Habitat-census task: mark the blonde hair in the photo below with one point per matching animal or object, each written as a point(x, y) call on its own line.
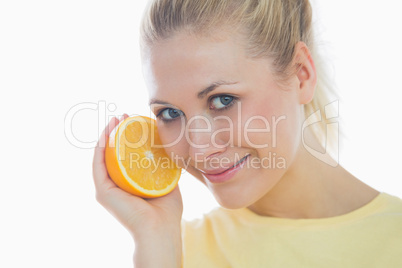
point(272, 29)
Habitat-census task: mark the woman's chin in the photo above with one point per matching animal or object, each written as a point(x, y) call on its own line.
point(232, 206)
point(232, 203)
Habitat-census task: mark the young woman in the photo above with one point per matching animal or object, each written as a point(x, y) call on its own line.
point(241, 79)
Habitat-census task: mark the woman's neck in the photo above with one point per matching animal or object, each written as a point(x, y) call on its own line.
point(313, 189)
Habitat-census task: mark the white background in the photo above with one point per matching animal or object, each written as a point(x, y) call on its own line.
point(57, 54)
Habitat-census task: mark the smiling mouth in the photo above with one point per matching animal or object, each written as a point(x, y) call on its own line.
point(238, 163)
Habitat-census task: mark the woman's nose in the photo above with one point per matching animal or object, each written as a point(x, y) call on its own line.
point(201, 135)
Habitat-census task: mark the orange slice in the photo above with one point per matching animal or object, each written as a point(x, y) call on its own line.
point(137, 161)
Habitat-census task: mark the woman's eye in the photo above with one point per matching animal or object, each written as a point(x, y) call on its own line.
point(221, 102)
point(169, 114)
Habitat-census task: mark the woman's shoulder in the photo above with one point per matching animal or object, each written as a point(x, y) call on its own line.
point(390, 204)
point(214, 215)
point(204, 238)
point(217, 221)
point(385, 206)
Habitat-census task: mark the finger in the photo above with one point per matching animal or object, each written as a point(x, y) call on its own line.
point(100, 175)
point(120, 203)
point(172, 199)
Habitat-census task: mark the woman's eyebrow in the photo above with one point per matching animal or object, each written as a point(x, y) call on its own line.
point(200, 94)
point(213, 86)
point(155, 101)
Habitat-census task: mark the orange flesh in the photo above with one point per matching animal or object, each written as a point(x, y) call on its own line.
point(135, 165)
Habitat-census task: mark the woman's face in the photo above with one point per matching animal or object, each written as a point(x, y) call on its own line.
point(215, 106)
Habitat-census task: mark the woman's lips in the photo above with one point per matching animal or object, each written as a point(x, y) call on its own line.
point(226, 174)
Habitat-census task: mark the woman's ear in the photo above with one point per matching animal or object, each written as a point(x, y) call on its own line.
point(306, 73)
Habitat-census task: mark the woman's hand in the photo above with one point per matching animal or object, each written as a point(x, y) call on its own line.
point(152, 222)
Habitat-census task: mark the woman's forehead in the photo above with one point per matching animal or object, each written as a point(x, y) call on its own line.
point(192, 60)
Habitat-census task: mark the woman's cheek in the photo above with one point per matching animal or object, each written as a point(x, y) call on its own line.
point(255, 124)
point(173, 141)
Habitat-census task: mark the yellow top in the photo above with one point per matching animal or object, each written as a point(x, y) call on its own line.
point(370, 236)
